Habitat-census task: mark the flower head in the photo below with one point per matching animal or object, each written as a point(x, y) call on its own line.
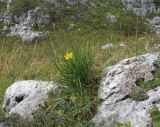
point(60, 113)
point(73, 98)
point(68, 56)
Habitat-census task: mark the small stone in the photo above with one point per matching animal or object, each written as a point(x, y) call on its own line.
point(108, 46)
point(111, 18)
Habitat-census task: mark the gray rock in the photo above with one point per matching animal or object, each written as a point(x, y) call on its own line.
point(83, 3)
point(108, 46)
point(6, 30)
point(26, 22)
point(155, 21)
point(30, 36)
point(139, 11)
point(140, 7)
point(25, 97)
point(156, 46)
point(155, 24)
point(122, 45)
point(25, 32)
point(37, 18)
point(116, 86)
point(129, 110)
point(121, 77)
point(81, 16)
point(111, 18)
point(3, 125)
point(72, 3)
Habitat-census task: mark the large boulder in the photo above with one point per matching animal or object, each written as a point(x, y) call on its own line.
point(25, 32)
point(118, 82)
point(25, 97)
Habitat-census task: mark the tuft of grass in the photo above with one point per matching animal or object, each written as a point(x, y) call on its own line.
point(76, 72)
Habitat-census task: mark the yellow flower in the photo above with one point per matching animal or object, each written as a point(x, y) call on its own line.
point(73, 98)
point(68, 56)
point(60, 113)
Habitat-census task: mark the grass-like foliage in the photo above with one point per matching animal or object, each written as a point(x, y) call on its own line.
point(133, 25)
point(128, 124)
point(66, 111)
point(22, 6)
point(3, 6)
point(157, 3)
point(75, 69)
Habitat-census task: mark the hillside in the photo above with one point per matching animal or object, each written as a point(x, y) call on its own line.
point(78, 44)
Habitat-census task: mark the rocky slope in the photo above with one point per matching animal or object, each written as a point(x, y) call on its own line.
point(23, 24)
point(118, 82)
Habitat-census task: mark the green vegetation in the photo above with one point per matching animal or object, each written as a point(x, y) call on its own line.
point(157, 3)
point(77, 102)
point(38, 61)
point(138, 94)
point(128, 124)
point(3, 6)
point(19, 7)
point(76, 69)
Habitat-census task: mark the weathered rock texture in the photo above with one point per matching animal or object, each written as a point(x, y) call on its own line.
point(25, 97)
point(140, 7)
point(23, 26)
point(116, 86)
point(155, 22)
point(25, 32)
point(111, 18)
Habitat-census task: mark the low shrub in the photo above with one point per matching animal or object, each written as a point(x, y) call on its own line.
point(138, 94)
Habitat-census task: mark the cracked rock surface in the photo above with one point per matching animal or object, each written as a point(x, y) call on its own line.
point(116, 86)
point(25, 97)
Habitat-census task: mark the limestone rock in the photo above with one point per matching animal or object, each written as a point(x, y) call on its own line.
point(108, 46)
point(155, 23)
point(3, 125)
point(115, 87)
point(156, 46)
point(111, 18)
point(140, 7)
point(25, 97)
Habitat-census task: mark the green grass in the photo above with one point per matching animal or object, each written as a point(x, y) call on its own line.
point(37, 60)
point(3, 7)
